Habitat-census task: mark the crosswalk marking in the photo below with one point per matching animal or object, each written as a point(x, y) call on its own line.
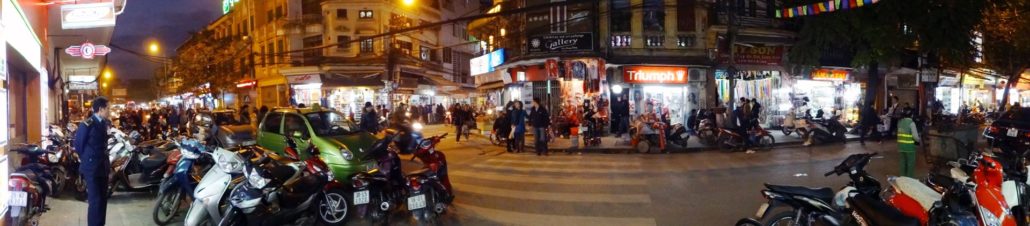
point(608, 170)
point(544, 179)
point(554, 196)
point(520, 218)
point(567, 162)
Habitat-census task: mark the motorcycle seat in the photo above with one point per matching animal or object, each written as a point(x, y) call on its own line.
point(421, 172)
point(153, 161)
point(923, 194)
point(29, 149)
point(876, 212)
point(823, 194)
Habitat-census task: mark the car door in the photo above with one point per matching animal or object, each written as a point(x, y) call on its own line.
point(270, 135)
point(296, 128)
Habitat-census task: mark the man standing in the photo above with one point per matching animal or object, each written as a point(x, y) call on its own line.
point(908, 137)
point(541, 119)
point(91, 144)
point(620, 113)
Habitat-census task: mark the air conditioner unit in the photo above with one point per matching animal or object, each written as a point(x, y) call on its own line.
point(697, 75)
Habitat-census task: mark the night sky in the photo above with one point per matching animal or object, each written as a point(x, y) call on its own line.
point(169, 22)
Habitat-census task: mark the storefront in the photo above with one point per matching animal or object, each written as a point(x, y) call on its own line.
point(758, 74)
point(244, 94)
point(673, 90)
point(976, 93)
point(822, 89)
point(561, 83)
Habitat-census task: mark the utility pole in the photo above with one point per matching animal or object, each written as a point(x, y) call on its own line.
point(731, 37)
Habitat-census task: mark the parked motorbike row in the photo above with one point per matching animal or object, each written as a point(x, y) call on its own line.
point(46, 169)
point(975, 190)
point(814, 129)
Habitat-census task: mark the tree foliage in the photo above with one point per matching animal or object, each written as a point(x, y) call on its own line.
point(207, 59)
point(1006, 37)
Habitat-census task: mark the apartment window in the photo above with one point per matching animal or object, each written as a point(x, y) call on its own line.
point(425, 53)
point(405, 47)
point(685, 16)
point(621, 15)
point(343, 42)
point(654, 40)
point(365, 14)
point(311, 42)
point(447, 55)
point(654, 15)
point(685, 41)
point(280, 50)
point(271, 15)
point(341, 13)
point(367, 45)
point(270, 54)
point(621, 40)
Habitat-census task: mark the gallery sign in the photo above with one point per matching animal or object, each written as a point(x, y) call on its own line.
point(759, 55)
point(557, 43)
point(655, 74)
point(91, 15)
point(87, 50)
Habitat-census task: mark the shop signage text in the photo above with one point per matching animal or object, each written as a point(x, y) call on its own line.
point(830, 75)
point(227, 5)
point(87, 50)
point(761, 55)
point(655, 74)
point(82, 86)
point(246, 83)
point(92, 15)
point(486, 63)
point(302, 79)
point(556, 43)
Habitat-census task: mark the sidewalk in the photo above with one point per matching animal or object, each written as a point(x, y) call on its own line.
point(612, 144)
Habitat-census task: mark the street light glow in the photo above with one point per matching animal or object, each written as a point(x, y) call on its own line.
point(107, 74)
point(153, 47)
point(105, 85)
point(408, 2)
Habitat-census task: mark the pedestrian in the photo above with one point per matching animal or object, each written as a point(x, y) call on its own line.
point(502, 128)
point(91, 145)
point(369, 119)
point(261, 113)
point(908, 139)
point(541, 119)
point(623, 111)
point(756, 110)
point(508, 110)
point(245, 114)
point(518, 122)
point(867, 124)
point(458, 119)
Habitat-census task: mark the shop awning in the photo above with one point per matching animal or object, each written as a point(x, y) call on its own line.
point(490, 86)
point(351, 79)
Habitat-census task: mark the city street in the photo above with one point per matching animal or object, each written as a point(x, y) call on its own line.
point(498, 188)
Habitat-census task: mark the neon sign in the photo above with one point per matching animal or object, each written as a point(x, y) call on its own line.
point(87, 50)
point(228, 4)
point(655, 74)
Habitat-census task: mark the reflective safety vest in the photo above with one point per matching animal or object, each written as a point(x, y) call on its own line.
point(905, 131)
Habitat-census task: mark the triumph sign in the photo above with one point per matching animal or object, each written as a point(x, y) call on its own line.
point(655, 74)
point(558, 43)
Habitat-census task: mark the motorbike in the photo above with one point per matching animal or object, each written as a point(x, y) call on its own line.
point(677, 134)
point(67, 160)
point(791, 124)
point(706, 132)
point(29, 186)
point(277, 191)
point(855, 202)
point(592, 134)
point(144, 166)
point(177, 187)
point(758, 137)
point(332, 205)
point(824, 131)
point(380, 190)
point(209, 197)
point(647, 136)
point(429, 189)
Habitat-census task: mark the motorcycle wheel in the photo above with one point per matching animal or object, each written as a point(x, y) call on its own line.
point(20, 220)
point(167, 206)
point(60, 181)
point(766, 141)
point(233, 217)
point(784, 217)
point(723, 145)
point(707, 137)
point(643, 147)
point(80, 188)
point(786, 131)
point(333, 208)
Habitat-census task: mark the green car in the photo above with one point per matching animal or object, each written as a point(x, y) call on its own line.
point(341, 144)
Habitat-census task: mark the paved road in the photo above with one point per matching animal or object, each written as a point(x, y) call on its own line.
point(498, 188)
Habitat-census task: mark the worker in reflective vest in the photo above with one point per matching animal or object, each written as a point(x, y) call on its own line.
point(908, 135)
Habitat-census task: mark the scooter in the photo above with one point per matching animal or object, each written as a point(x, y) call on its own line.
point(29, 186)
point(855, 202)
point(276, 192)
point(592, 134)
point(791, 125)
point(379, 190)
point(208, 197)
point(758, 137)
point(141, 168)
point(333, 208)
point(648, 136)
point(178, 184)
point(678, 135)
point(429, 189)
point(824, 131)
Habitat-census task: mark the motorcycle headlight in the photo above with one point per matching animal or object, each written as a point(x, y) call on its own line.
point(229, 162)
point(187, 154)
point(346, 154)
point(424, 144)
point(255, 179)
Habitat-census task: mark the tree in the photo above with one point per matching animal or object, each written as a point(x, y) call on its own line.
point(207, 59)
point(1006, 40)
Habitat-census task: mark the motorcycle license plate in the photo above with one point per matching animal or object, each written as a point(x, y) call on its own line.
point(19, 198)
point(416, 202)
point(1013, 132)
point(761, 210)
point(361, 197)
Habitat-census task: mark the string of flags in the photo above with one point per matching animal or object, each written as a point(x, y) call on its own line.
point(822, 7)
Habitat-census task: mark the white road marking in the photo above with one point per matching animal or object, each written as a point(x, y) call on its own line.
point(519, 218)
point(610, 170)
point(567, 162)
point(553, 196)
point(542, 179)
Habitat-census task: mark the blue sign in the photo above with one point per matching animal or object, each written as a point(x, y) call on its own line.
point(486, 63)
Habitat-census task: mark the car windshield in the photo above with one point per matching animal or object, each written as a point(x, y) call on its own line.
point(328, 123)
point(225, 118)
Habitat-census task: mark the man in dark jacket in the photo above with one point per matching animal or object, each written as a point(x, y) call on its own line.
point(458, 119)
point(369, 119)
point(867, 123)
point(620, 112)
point(541, 119)
point(91, 145)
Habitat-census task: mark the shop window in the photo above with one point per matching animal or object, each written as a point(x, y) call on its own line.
point(654, 15)
point(343, 43)
point(365, 14)
point(685, 15)
point(341, 13)
point(621, 15)
point(272, 123)
point(621, 40)
point(685, 41)
point(405, 47)
point(367, 44)
point(654, 40)
point(312, 42)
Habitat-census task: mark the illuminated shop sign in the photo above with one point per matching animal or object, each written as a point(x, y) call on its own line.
point(87, 50)
point(486, 63)
point(830, 75)
point(246, 83)
point(227, 5)
point(655, 74)
point(92, 15)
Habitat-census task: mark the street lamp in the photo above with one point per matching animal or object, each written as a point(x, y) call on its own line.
point(408, 2)
point(107, 74)
point(104, 85)
point(153, 48)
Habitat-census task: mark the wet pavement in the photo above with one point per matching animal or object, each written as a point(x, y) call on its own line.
point(494, 187)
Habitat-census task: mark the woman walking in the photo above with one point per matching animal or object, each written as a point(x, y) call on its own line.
point(518, 121)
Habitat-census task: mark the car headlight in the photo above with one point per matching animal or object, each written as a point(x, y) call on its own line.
point(255, 179)
point(417, 126)
point(347, 155)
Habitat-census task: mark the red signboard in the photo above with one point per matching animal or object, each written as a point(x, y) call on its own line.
point(246, 83)
point(87, 50)
point(655, 74)
point(763, 55)
point(830, 75)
